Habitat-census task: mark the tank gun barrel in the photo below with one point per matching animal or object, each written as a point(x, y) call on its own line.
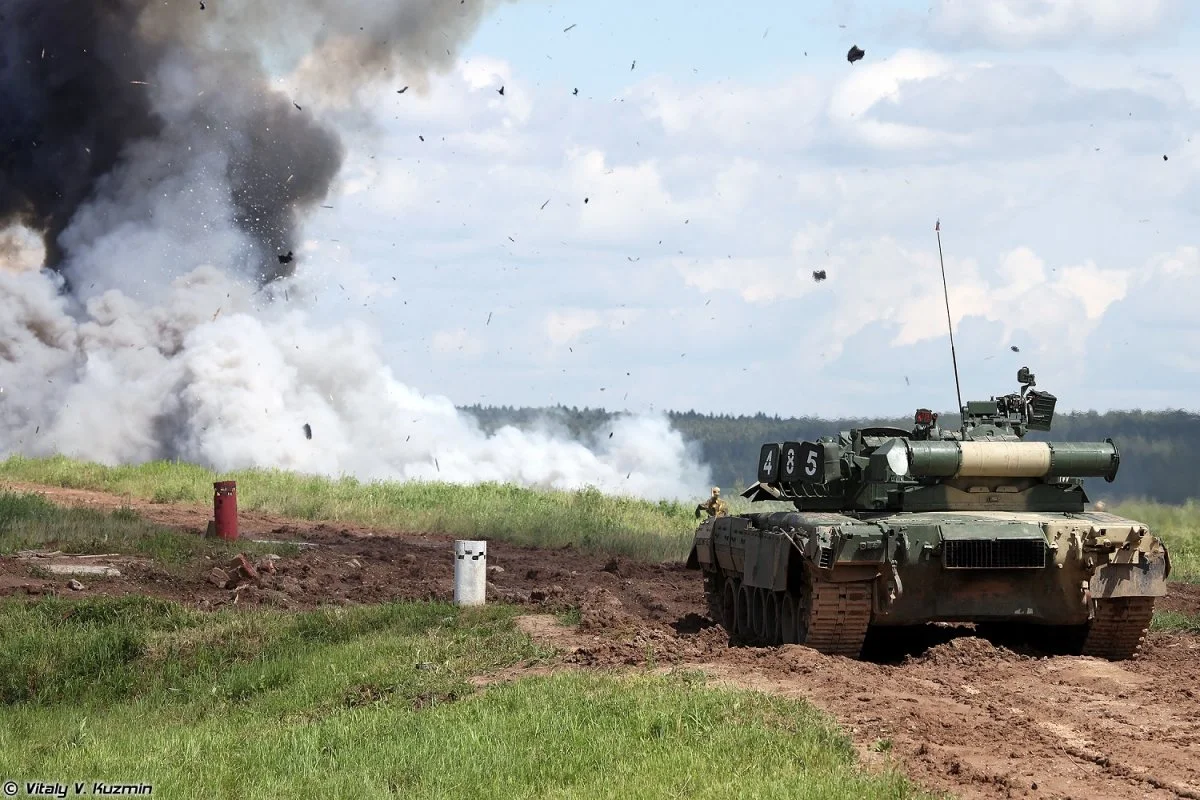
point(968, 459)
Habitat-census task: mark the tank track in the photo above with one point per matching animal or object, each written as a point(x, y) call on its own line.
point(841, 614)
point(713, 586)
point(1118, 627)
point(831, 618)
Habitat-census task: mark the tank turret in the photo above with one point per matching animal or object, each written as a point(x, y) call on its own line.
point(984, 464)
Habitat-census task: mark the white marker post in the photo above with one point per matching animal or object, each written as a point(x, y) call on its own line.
point(470, 573)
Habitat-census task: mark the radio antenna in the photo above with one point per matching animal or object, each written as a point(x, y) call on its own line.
point(937, 228)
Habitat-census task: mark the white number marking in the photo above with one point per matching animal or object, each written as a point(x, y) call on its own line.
point(811, 465)
point(767, 464)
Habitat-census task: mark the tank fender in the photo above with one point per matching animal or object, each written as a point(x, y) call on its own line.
point(824, 550)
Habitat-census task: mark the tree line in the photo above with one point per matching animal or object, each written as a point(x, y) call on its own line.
point(1159, 454)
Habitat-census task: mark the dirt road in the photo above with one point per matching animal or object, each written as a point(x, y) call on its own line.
point(954, 711)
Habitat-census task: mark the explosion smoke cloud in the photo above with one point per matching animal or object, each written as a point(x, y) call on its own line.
point(165, 174)
point(120, 99)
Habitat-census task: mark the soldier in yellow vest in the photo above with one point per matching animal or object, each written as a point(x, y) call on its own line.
point(716, 507)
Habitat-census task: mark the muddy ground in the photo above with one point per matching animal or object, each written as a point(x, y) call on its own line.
point(954, 711)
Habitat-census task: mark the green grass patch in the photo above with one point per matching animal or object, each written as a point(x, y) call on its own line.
point(375, 702)
point(30, 522)
point(1178, 526)
point(1175, 622)
point(101, 651)
point(593, 521)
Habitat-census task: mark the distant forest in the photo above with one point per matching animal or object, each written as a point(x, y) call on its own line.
point(1160, 450)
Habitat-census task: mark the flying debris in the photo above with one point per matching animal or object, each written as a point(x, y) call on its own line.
point(297, 105)
point(576, 91)
point(855, 54)
point(634, 64)
point(1164, 157)
point(1015, 349)
point(500, 91)
point(287, 259)
point(818, 275)
point(402, 91)
point(572, 25)
point(307, 431)
point(543, 208)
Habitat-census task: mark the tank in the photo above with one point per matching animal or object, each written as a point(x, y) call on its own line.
point(896, 528)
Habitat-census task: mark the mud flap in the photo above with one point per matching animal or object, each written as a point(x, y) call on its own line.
point(1147, 579)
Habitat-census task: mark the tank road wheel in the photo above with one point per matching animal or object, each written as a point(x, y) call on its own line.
point(771, 617)
point(1118, 627)
point(742, 627)
point(728, 617)
point(757, 598)
point(803, 612)
point(789, 633)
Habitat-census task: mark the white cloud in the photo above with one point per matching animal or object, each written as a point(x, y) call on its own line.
point(733, 114)
point(880, 83)
point(1027, 23)
point(881, 280)
point(618, 198)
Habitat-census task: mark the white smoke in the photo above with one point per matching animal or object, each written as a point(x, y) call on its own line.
point(216, 376)
point(163, 346)
point(20, 249)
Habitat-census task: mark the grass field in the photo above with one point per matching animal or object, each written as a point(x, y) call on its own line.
point(30, 522)
point(591, 520)
point(1174, 621)
point(654, 531)
point(376, 702)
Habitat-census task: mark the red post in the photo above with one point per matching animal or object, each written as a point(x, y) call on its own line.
point(225, 509)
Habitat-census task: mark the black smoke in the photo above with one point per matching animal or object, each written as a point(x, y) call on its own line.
point(68, 106)
point(105, 103)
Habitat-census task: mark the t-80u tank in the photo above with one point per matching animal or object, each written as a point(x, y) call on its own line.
point(895, 528)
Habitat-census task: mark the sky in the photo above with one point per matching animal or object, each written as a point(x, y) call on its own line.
point(649, 243)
